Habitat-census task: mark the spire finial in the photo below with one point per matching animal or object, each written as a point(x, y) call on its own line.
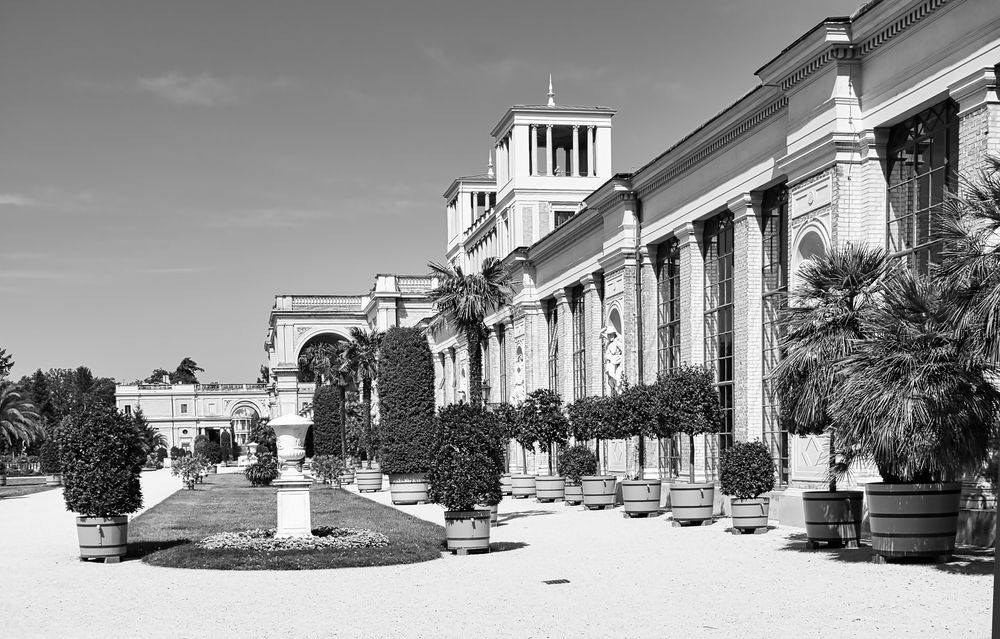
point(489, 163)
point(552, 96)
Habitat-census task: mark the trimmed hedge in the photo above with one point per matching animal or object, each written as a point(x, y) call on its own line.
point(326, 421)
point(101, 452)
point(746, 470)
point(48, 457)
point(406, 400)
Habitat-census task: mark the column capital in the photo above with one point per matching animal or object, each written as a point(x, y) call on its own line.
point(549, 126)
point(560, 296)
point(745, 205)
point(590, 281)
point(975, 90)
point(576, 127)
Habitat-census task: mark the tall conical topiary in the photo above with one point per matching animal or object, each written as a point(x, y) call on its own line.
point(326, 421)
point(406, 400)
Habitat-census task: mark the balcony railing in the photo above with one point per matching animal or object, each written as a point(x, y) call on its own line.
point(344, 302)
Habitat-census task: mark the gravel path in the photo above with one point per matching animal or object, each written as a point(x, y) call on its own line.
point(628, 578)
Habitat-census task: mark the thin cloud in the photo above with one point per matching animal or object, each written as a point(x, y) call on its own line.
point(189, 90)
point(273, 218)
point(171, 270)
point(16, 201)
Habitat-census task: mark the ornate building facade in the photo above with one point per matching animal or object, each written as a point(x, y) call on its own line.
point(855, 132)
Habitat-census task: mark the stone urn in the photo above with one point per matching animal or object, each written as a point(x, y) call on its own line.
point(290, 431)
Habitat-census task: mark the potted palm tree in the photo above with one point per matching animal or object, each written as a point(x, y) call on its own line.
point(574, 462)
point(542, 422)
point(464, 300)
point(101, 453)
point(466, 462)
point(689, 404)
point(916, 397)
point(361, 355)
point(599, 490)
point(746, 471)
point(639, 416)
point(406, 410)
point(820, 327)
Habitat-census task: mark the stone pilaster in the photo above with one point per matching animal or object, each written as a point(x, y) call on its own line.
point(593, 322)
point(692, 303)
point(647, 309)
point(535, 348)
point(747, 290)
point(564, 329)
point(978, 119)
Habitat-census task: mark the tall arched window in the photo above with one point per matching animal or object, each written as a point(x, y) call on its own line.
point(922, 158)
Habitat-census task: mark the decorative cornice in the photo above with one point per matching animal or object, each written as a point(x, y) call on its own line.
point(714, 145)
point(860, 50)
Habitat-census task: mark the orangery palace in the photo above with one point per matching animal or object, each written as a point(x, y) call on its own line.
point(854, 132)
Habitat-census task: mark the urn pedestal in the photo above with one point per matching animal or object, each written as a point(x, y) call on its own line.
point(294, 517)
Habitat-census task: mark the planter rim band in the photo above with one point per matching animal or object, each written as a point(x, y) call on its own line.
point(912, 515)
point(853, 495)
point(919, 535)
point(691, 486)
point(908, 493)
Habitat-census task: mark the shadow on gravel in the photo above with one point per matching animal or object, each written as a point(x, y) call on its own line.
point(759, 531)
point(797, 542)
point(525, 513)
point(969, 560)
point(504, 546)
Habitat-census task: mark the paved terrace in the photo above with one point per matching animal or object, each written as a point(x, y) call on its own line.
point(634, 578)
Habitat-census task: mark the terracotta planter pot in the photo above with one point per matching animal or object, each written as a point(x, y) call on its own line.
point(506, 487)
point(750, 514)
point(549, 489)
point(913, 520)
point(834, 518)
point(692, 503)
point(408, 488)
point(102, 537)
point(467, 530)
point(369, 480)
point(641, 497)
point(522, 486)
point(573, 494)
point(598, 490)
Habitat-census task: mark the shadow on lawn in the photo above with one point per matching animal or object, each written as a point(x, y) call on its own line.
point(967, 560)
point(139, 549)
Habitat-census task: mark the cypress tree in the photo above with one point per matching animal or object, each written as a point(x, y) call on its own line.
point(326, 421)
point(406, 400)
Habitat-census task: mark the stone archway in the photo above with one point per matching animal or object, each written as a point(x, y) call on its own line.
point(332, 338)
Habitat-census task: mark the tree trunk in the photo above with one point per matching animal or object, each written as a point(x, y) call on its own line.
point(343, 426)
point(691, 457)
point(552, 454)
point(475, 366)
point(642, 457)
point(366, 397)
point(597, 453)
point(831, 461)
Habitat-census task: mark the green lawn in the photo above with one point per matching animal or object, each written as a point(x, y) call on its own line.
point(20, 491)
point(163, 535)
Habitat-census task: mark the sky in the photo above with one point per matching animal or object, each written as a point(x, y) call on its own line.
point(167, 168)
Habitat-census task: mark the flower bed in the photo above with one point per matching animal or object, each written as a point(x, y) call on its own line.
point(259, 539)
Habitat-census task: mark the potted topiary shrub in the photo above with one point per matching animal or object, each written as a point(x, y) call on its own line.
point(466, 463)
point(406, 410)
point(506, 416)
point(638, 415)
point(101, 453)
point(689, 404)
point(746, 472)
point(575, 462)
point(264, 470)
point(602, 423)
point(542, 421)
point(917, 397)
point(188, 468)
point(48, 458)
point(326, 468)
